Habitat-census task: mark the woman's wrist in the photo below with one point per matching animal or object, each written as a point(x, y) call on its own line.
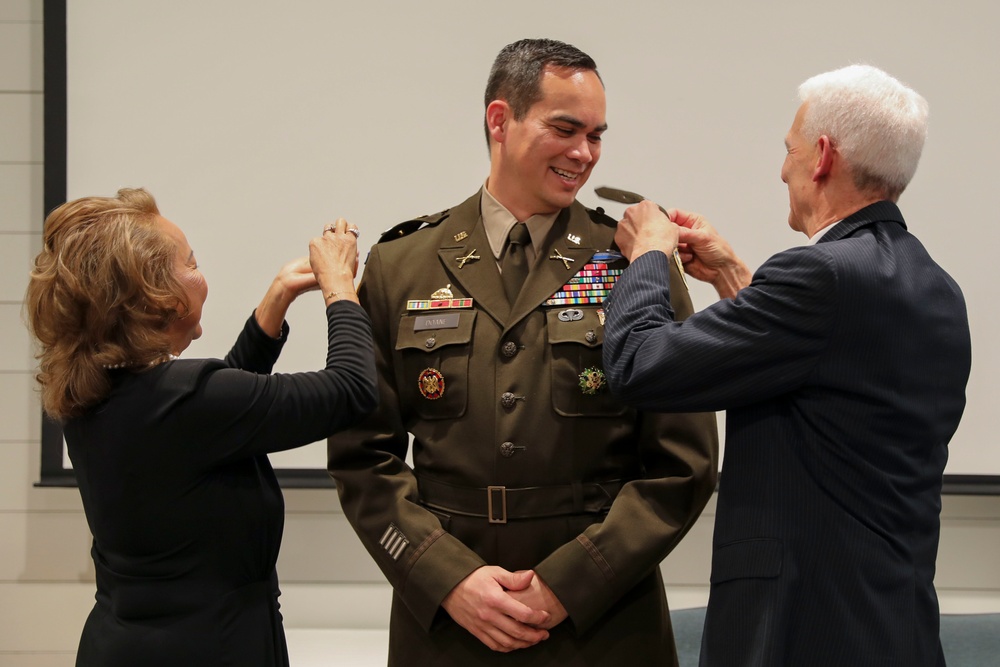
point(270, 314)
point(340, 292)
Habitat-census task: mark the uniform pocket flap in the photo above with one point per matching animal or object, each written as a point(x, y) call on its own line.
point(578, 325)
point(747, 559)
point(415, 333)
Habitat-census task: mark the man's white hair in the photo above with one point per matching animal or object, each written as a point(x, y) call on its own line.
point(876, 123)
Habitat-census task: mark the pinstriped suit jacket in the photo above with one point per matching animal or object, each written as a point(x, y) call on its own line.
point(843, 368)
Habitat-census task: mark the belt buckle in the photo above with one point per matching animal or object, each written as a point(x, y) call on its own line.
point(499, 492)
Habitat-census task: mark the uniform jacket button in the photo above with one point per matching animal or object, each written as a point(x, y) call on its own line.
point(508, 400)
point(430, 342)
point(509, 349)
point(591, 337)
point(507, 450)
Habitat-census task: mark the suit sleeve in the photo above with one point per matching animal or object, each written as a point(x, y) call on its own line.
point(763, 343)
point(378, 490)
point(648, 518)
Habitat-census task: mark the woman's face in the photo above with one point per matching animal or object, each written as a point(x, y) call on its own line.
point(187, 328)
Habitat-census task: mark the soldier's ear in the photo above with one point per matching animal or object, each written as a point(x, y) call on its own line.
point(498, 113)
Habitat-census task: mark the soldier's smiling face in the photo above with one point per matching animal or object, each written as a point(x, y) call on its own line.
point(547, 156)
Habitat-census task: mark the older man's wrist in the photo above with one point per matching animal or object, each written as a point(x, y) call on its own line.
point(731, 279)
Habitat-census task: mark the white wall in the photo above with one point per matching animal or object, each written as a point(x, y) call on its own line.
point(229, 111)
point(46, 575)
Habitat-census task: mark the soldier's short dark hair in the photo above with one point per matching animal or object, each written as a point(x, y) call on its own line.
point(516, 75)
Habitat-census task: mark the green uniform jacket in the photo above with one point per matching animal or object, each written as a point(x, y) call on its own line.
point(595, 493)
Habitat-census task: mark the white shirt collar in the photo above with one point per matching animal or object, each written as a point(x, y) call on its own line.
point(821, 233)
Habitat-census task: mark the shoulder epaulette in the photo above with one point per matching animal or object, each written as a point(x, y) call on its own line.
point(410, 226)
point(600, 217)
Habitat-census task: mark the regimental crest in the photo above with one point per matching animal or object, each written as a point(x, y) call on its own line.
point(430, 382)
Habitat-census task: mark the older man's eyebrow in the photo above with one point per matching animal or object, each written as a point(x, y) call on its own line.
point(577, 123)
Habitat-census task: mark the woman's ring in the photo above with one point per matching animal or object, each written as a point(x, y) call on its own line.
point(355, 231)
point(328, 228)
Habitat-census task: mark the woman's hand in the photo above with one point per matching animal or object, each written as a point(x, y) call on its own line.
point(330, 267)
point(293, 279)
point(334, 260)
point(296, 278)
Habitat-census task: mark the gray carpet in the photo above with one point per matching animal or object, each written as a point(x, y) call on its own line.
point(969, 640)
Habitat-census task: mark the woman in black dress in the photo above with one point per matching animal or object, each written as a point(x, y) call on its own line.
point(171, 455)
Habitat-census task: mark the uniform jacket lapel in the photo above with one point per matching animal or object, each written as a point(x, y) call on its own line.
point(478, 278)
point(549, 273)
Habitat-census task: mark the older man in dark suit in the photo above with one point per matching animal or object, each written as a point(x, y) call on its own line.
point(843, 366)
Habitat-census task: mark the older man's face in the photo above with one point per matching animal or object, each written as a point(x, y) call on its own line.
point(547, 156)
point(797, 172)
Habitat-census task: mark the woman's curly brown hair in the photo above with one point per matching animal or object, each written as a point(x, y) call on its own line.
point(102, 293)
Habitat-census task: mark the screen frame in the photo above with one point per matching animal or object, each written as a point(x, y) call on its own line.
point(53, 470)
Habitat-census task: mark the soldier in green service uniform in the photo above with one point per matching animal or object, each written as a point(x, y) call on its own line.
point(530, 528)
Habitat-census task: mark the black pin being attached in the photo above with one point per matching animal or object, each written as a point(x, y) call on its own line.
point(626, 197)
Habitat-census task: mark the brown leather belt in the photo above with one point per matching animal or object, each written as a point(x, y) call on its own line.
point(499, 504)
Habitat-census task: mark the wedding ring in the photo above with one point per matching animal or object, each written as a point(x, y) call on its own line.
point(356, 232)
point(328, 228)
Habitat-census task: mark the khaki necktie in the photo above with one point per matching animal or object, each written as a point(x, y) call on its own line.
point(515, 261)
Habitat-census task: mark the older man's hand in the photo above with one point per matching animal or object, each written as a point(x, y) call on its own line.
point(707, 256)
point(644, 228)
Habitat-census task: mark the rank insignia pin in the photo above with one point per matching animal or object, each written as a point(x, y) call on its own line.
point(462, 236)
point(558, 255)
point(430, 382)
point(592, 380)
